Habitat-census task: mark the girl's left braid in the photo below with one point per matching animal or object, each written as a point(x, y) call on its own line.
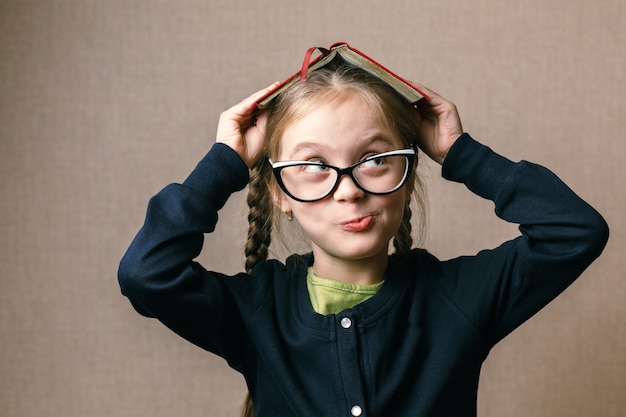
point(403, 241)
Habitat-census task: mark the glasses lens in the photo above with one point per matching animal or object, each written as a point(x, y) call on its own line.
point(382, 174)
point(308, 181)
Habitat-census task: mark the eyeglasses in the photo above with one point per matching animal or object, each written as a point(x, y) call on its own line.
point(309, 181)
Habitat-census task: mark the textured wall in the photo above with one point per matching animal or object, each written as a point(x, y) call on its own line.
point(104, 102)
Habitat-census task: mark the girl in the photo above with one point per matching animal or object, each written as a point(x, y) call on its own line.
point(349, 330)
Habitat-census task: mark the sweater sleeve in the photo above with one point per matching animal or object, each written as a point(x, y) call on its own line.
point(158, 273)
point(561, 236)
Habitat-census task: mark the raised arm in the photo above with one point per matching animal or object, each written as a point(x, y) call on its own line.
point(561, 234)
point(158, 273)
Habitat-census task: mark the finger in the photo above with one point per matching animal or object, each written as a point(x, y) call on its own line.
point(247, 105)
point(242, 111)
point(424, 106)
point(241, 116)
point(261, 120)
point(256, 128)
point(429, 91)
point(435, 100)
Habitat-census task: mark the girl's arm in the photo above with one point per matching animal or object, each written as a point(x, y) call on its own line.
point(158, 273)
point(561, 235)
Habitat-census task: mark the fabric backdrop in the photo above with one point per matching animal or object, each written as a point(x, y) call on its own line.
point(104, 102)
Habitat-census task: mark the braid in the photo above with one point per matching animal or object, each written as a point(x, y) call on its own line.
point(259, 218)
point(259, 234)
point(403, 241)
point(247, 409)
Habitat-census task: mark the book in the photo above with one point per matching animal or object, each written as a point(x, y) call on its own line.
point(337, 52)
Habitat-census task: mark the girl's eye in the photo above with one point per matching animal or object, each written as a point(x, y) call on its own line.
point(373, 163)
point(316, 169)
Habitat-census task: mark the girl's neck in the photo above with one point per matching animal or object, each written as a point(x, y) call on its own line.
point(351, 271)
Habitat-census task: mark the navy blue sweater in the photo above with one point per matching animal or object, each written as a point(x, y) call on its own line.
point(413, 349)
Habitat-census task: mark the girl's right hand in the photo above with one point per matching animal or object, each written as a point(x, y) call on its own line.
point(438, 123)
point(243, 129)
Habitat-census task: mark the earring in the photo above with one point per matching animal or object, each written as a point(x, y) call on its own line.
point(289, 215)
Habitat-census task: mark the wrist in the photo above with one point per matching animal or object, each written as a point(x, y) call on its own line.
point(221, 165)
point(449, 143)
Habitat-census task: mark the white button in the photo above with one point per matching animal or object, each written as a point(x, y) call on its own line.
point(356, 411)
point(346, 323)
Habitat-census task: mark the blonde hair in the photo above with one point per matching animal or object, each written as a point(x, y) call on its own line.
point(322, 87)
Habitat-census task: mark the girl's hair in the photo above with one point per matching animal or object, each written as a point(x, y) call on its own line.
point(321, 87)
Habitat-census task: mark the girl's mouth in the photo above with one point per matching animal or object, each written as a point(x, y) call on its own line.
point(358, 225)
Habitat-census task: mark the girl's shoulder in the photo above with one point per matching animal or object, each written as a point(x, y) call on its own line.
point(269, 273)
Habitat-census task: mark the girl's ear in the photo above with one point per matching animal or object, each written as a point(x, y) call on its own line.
point(278, 197)
point(283, 204)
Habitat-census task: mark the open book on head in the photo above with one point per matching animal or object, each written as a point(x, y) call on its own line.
point(341, 51)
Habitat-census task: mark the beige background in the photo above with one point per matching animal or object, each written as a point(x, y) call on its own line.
point(104, 102)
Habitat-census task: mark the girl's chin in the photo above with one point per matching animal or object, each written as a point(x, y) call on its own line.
point(351, 252)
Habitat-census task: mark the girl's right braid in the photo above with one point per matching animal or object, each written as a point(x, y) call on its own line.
point(259, 218)
point(259, 236)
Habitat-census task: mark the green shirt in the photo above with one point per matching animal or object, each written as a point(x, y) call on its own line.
point(331, 297)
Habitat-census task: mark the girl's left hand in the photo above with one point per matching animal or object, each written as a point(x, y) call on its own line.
point(438, 123)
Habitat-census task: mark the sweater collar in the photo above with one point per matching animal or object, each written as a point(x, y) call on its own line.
point(396, 281)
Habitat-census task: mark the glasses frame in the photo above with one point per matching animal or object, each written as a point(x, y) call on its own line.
point(410, 155)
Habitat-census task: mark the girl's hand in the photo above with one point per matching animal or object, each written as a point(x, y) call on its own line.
point(243, 129)
point(438, 123)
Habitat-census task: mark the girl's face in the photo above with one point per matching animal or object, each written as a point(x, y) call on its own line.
point(349, 225)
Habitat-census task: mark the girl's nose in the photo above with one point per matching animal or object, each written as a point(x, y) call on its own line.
point(347, 190)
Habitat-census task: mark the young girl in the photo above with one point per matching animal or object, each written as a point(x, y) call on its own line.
point(349, 330)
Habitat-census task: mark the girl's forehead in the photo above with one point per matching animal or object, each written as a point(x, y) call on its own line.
point(348, 125)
